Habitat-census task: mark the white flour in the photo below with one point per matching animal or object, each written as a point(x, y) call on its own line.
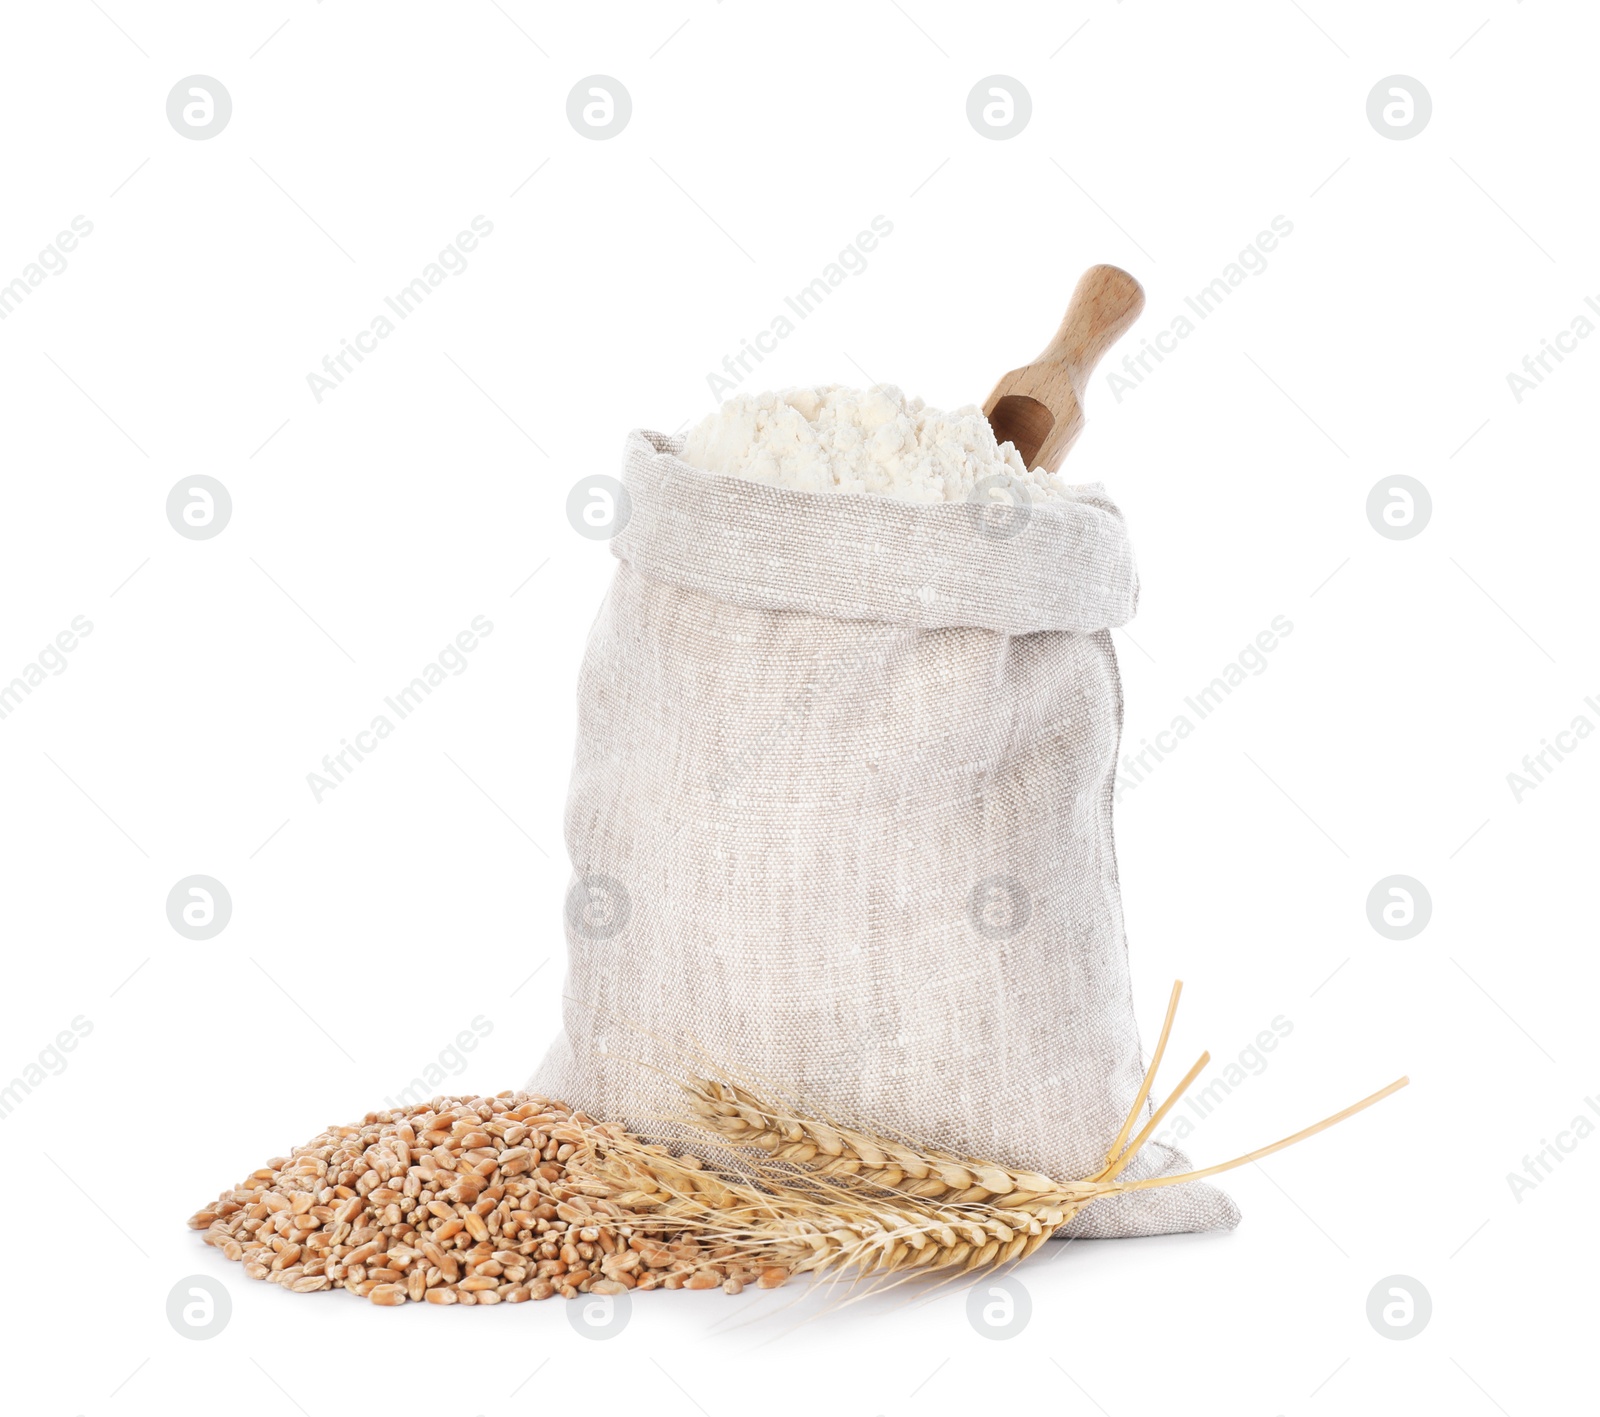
point(835, 439)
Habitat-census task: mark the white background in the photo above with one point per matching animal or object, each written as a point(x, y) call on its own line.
point(370, 528)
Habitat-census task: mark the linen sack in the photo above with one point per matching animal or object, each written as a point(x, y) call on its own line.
point(840, 820)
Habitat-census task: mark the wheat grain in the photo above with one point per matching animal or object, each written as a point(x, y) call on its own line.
point(466, 1200)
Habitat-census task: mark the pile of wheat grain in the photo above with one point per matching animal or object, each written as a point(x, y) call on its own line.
point(468, 1200)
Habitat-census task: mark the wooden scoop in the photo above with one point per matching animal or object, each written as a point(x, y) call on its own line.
point(1039, 406)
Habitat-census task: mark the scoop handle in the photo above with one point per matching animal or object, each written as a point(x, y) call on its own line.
point(1038, 408)
point(1105, 303)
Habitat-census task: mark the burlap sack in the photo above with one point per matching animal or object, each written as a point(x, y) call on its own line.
point(840, 816)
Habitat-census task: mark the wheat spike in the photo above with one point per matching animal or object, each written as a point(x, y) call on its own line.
point(854, 1157)
point(810, 1221)
point(926, 1186)
point(747, 1119)
point(832, 1199)
point(810, 1226)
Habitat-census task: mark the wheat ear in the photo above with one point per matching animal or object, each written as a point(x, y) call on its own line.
point(805, 1220)
point(811, 1227)
point(854, 1158)
point(744, 1118)
point(747, 1119)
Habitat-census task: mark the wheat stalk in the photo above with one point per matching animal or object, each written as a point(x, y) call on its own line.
point(927, 1188)
point(808, 1220)
point(750, 1120)
point(807, 1225)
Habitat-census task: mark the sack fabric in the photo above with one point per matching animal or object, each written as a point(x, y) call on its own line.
point(840, 820)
